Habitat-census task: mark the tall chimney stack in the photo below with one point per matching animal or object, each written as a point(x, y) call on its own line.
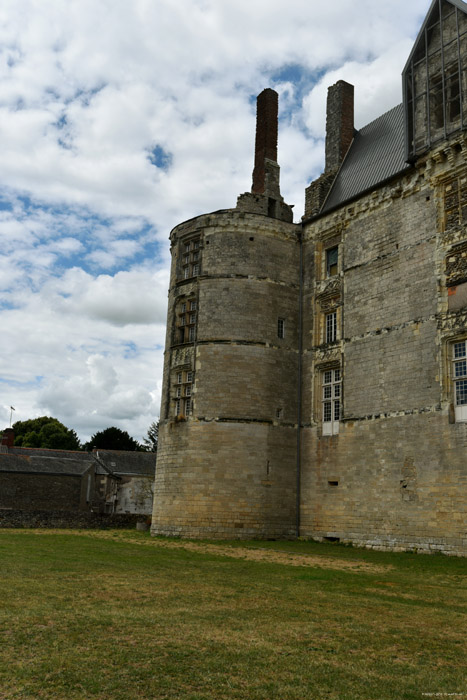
point(265, 197)
point(8, 437)
point(339, 124)
point(267, 110)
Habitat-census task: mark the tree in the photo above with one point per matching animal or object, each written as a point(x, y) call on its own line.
point(45, 432)
point(113, 439)
point(150, 442)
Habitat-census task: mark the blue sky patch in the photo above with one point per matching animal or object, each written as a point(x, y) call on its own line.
point(160, 158)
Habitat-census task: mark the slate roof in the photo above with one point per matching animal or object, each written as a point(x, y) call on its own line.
point(128, 463)
point(42, 461)
point(376, 154)
point(32, 464)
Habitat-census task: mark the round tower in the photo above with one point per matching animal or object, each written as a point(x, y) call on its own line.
point(226, 464)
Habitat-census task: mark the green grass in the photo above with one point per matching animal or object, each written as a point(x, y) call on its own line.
point(121, 616)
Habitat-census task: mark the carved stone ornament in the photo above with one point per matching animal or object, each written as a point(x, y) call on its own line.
point(182, 357)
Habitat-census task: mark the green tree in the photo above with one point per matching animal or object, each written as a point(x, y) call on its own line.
point(45, 432)
point(152, 438)
point(113, 439)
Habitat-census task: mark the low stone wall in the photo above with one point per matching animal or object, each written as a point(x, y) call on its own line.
point(63, 519)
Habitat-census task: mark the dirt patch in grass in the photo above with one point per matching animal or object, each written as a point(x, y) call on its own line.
point(238, 552)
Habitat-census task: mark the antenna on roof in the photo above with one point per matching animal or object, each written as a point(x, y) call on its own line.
point(11, 413)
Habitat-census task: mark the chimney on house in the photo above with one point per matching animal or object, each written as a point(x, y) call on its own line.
point(267, 110)
point(8, 437)
point(339, 124)
point(339, 136)
point(265, 196)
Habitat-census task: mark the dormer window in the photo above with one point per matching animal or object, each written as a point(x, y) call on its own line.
point(433, 75)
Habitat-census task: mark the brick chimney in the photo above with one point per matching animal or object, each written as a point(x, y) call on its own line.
point(8, 437)
point(339, 124)
point(267, 110)
point(339, 136)
point(265, 196)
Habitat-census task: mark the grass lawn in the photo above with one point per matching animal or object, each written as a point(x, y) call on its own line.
point(120, 616)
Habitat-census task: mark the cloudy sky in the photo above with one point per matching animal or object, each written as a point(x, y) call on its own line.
point(120, 119)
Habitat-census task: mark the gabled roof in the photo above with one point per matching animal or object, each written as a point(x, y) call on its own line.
point(376, 154)
point(32, 464)
point(428, 20)
point(128, 463)
point(72, 462)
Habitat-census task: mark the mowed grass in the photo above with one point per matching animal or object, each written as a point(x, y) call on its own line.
point(121, 616)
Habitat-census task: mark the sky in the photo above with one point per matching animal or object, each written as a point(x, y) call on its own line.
point(119, 120)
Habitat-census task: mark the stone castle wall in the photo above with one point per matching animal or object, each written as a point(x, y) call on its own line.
point(228, 469)
point(395, 476)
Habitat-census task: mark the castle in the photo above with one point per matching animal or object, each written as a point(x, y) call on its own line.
point(315, 377)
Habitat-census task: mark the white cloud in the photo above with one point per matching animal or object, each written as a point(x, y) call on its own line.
point(88, 89)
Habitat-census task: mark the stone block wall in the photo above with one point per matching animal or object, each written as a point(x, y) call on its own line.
point(395, 476)
point(228, 469)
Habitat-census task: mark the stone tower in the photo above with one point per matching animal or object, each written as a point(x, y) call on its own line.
point(227, 456)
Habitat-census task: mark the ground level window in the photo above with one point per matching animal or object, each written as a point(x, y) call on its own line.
point(331, 400)
point(459, 379)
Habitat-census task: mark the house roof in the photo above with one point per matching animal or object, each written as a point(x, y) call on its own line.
point(43, 461)
point(128, 463)
point(377, 153)
point(39, 464)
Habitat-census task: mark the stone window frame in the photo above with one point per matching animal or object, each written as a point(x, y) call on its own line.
point(331, 397)
point(329, 254)
point(189, 257)
point(332, 240)
point(457, 375)
point(186, 320)
point(330, 327)
point(333, 361)
point(183, 393)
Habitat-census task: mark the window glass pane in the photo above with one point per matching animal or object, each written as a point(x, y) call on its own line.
point(337, 375)
point(331, 327)
point(179, 378)
point(327, 392)
point(188, 405)
point(331, 261)
point(327, 412)
point(460, 368)
point(328, 376)
point(337, 410)
point(461, 392)
point(459, 349)
point(192, 305)
point(337, 390)
point(189, 376)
